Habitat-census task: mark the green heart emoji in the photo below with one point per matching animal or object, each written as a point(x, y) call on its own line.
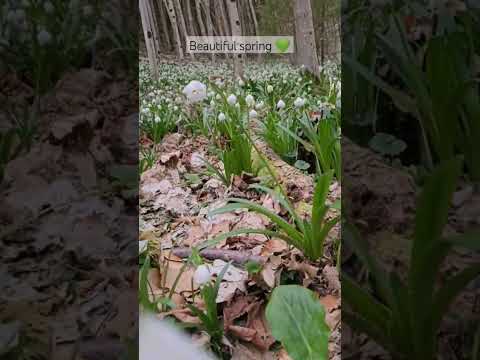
point(282, 45)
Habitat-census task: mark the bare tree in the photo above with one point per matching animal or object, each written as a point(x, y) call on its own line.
point(206, 3)
point(149, 31)
point(164, 22)
point(173, 20)
point(306, 47)
point(201, 24)
point(238, 61)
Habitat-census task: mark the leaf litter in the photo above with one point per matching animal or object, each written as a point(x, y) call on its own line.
point(176, 196)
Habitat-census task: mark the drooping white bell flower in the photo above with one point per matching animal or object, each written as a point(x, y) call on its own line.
point(221, 117)
point(218, 97)
point(202, 275)
point(241, 83)
point(259, 106)
point(299, 102)
point(195, 91)
point(232, 99)
point(269, 89)
point(252, 114)
point(280, 104)
point(250, 100)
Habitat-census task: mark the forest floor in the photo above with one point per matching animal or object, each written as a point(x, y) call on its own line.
point(178, 193)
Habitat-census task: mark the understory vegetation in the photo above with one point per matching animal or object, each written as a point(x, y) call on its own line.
point(245, 135)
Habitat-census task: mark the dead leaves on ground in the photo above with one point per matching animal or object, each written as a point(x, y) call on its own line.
point(176, 197)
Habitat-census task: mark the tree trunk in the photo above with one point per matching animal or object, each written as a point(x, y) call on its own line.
point(165, 28)
point(254, 16)
point(323, 34)
point(191, 24)
point(306, 47)
point(236, 31)
point(148, 32)
point(183, 26)
point(201, 24)
point(226, 23)
point(206, 4)
point(173, 20)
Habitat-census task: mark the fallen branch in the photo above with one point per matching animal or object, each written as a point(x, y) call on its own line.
point(239, 257)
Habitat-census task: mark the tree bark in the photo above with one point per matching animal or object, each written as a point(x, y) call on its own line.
point(148, 32)
point(181, 20)
point(201, 24)
point(173, 20)
point(206, 4)
point(191, 24)
point(238, 61)
point(306, 47)
point(254, 16)
point(165, 28)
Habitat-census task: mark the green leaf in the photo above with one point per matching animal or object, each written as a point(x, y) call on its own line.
point(365, 305)
point(297, 320)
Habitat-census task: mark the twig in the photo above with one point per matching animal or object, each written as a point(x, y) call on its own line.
point(239, 257)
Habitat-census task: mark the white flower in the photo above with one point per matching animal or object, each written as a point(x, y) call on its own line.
point(202, 275)
point(195, 91)
point(218, 97)
point(280, 104)
point(157, 119)
point(175, 108)
point(269, 89)
point(252, 114)
point(221, 117)
point(241, 83)
point(44, 37)
point(237, 105)
point(212, 103)
point(232, 99)
point(49, 8)
point(259, 106)
point(299, 102)
point(250, 100)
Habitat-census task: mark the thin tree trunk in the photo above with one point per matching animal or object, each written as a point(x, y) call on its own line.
point(173, 20)
point(223, 12)
point(306, 47)
point(149, 36)
point(254, 16)
point(239, 60)
point(206, 4)
point(183, 26)
point(155, 25)
point(165, 29)
point(191, 24)
point(322, 36)
point(201, 24)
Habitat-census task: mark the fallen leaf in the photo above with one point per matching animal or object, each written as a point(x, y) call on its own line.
point(185, 281)
point(227, 290)
point(274, 246)
point(243, 333)
point(331, 274)
point(233, 274)
point(249, 352)
point(263, 339)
